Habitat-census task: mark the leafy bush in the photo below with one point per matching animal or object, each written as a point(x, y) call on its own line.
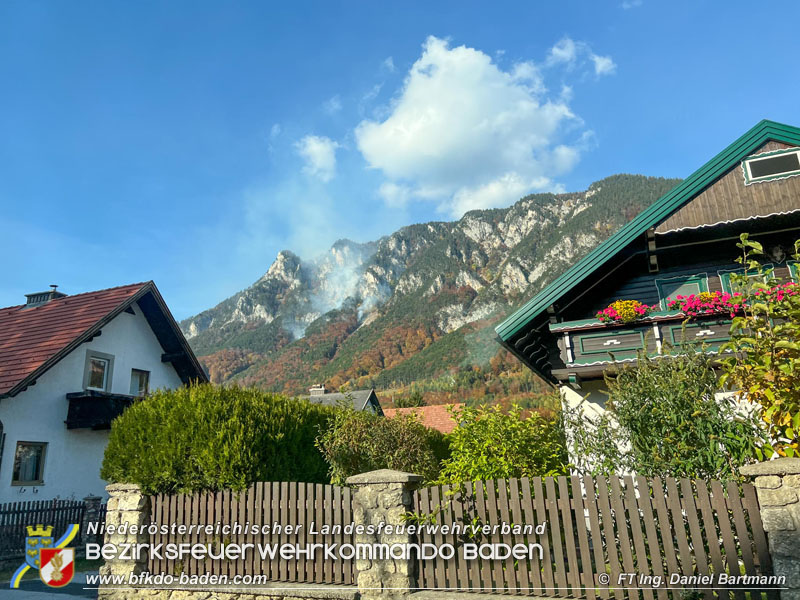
point(765, 339)
point(662, 419)
point(209, 438)
point(357, 442)
point(491, 443)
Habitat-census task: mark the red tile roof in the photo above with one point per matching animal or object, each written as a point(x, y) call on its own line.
point(30, 337)
point(436, 416)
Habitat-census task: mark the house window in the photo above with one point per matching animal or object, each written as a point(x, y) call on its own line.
point(99, 367)
point(685, 285)
point(732, 287)
point(29, 463)
point(140, 382)
point(771, 165)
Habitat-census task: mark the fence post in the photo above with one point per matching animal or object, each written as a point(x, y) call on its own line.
point(91, 513)
point(126, 505)
point(778, 487)
point(384, 496)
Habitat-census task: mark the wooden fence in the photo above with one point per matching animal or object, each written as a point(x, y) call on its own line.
point(593, 526)
point(285, 503)
point(16, 516)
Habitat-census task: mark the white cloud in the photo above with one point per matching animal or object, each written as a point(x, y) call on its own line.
point(388, 65)
point(628, 4)
point(395, 196)
point(572, 54)
point(603, 65)
point(319, 153)
point(467, 134)
point(275, 131)
point(332, 105)
point(564, 51)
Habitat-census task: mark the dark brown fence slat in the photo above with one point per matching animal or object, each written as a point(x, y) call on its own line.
point(573, 576)
point(664, 526)
point(551, 501)
point(525, 569)
point(470, 505)
point(425, 566)
point(734, 502)
point(541, 517)
point(498, 575)
point(440, 579)
point(350, 568)
point(622, 535)
point(695, 531)
point(509, 573)
point(328, 571)
point(590, 502)
point(678, 526)
point(486, 572)
point(609, 535)
point(712, 534)
point(728, 541)
point(585, 559)
point(464, 572)
point(447, 519)
point(641, 566)
point(750, 503)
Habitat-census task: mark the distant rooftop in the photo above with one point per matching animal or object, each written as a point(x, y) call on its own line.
point(360, 399)
point(436, 416)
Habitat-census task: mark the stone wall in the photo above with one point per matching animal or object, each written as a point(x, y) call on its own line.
point(778, 486)
point(384, 496)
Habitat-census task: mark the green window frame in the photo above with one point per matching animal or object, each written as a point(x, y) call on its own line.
point(749, 162)
point(725, 277)
point(670, 287)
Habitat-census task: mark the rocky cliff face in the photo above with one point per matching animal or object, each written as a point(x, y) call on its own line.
point(436, 276)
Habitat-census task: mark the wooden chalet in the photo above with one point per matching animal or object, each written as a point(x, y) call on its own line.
point(684, 243)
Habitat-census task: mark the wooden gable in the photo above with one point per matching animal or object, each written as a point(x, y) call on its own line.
point(729, 199)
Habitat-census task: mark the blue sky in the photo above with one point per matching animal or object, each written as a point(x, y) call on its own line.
point(189, 142)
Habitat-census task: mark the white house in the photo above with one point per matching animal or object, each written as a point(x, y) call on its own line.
point(68, 366)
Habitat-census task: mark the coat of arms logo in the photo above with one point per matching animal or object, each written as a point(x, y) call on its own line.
point(38, 537)
point(58, 566)
point(54, 561)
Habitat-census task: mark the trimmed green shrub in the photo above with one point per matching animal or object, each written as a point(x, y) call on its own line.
point(357, 442)
point(211, 438)
point(491, 443)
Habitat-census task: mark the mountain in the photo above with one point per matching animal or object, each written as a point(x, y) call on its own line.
point(417, 307)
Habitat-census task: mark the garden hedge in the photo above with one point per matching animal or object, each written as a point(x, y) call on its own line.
point(205, 437)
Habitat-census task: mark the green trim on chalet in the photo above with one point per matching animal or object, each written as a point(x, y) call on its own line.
point(668, 287)
point(725, 276)
point(749, 179)
point(670, 202)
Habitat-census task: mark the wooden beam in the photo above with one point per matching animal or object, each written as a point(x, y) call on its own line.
point(172, 356)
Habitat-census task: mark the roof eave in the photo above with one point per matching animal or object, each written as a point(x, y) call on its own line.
point(148, 287)
point(86, 335)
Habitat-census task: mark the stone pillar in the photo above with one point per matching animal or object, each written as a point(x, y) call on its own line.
point(384, 496)
point(91, 513)
point(126, 505)
point(778, 486)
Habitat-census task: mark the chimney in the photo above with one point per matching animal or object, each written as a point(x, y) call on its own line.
point(39, 298)
point(317, 390)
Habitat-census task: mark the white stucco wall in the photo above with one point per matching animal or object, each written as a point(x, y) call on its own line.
point(73, 457)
